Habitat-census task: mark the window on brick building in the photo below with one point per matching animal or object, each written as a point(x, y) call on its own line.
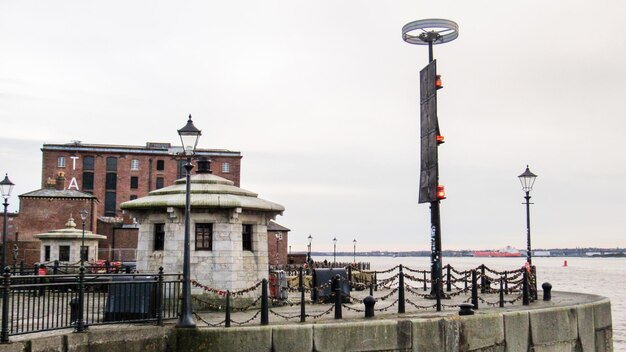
point(111, 181)
point(134, 182)
point(160, 165)
point(87, 181)
point(133, 196)
point(204, 237)
point(88, 163)
point(181, 172)
point(159, 237)
point(111, 164)
point(246, 237)
point(61, 161)
point(64, 253)
point(46, 253)
point(225, 168)
point(134, 164)
point(109, 203)
point(159, 182)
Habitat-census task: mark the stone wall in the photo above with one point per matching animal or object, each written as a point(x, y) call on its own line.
point(583, 327)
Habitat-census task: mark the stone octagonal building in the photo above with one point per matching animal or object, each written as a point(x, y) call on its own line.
point(228, 230)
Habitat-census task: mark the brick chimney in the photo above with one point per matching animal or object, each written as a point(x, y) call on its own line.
point(60, 184)
point(50, 183)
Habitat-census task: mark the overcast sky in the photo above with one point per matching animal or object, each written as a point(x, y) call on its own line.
point(321, 98)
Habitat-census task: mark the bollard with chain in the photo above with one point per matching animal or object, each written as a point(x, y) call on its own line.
point(501, 291)
point(483, 279)
point(227, 318)
point(337, 289)
point(547, 291)
point(264, 303)
point(449, 281)
point(506, 284)
point(525, 298)
point(425, 288)
point(301, 288)
point(401, 307)
point(369, 303)
point(474, 290)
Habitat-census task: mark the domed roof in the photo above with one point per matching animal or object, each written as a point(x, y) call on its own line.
point(207, 191)
point(69, 232)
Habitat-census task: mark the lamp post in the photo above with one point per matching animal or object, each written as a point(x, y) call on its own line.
point(83, 252)
point(6, 186)
point(354, 254)
point(189, 136)
point(279, 236)
point(308, 254)
point(527, 179)
point(334, 251)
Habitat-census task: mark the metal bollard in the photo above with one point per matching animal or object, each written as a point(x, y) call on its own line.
point(525, 298)
point(302, 302)
point(227, 318)
point(371, 288)
point(547, 291)
point(483, 279)
point(369, 303)
point(501, 291)
point(425, 288)
point(474, 290)
point(448, 279)
point(401, 307)
point(265, 309)
point(337, 289)
point(466, 309)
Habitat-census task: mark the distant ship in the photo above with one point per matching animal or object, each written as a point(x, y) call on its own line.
point(504, 252)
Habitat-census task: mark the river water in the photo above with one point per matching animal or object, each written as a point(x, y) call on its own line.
point(601, 276)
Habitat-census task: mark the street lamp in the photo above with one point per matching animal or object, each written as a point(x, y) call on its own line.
point(83, 251)
point(334, 251)
point(189, 136)
point(279, 236)
point(308, 254)
point(354, 255)
point(6, 186)
point(527, 179)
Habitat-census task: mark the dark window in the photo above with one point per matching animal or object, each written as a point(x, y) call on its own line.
point(84, 252)
point(87, 181)
point(111, 164)
point(109, 204)
point(181, 169)
point(160, 165)
point(246, 237)
point(46, 253)
point(159, 237)
point(133, 196)
point(159, 182)
point(111, 181)
point(64, 253)
point(204, 237)
point(88, 163)
point(134, 182)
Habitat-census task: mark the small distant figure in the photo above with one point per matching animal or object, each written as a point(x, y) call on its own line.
point(325, 263)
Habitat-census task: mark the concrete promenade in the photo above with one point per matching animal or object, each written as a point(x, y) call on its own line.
point(569, 322)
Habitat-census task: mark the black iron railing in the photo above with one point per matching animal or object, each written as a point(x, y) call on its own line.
point(36, 303)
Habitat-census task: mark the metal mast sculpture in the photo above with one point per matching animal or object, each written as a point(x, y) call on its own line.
point(430, 32)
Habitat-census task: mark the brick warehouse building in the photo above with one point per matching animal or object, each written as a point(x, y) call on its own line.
point(117, 173)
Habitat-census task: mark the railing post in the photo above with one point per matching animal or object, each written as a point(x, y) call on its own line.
point(227, 318)
point(425, 288)
point(264, 303)
point(80, 324)
point(448, 278)
point(337, 289)
point(159, 297)
point(371, 288)
point(483, 279)
point(502, 291)
point(506, 283)
point(474, 289)
point(6, 288)
point(350, 274)
point(401, 307)
point(465, 278)
point(376, 282)
point(525, 298)
point(55, 268)
point(301, 287)
point(438, 293)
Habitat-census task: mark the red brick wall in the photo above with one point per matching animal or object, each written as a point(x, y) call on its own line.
point(281, 245)
point(147, 173)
